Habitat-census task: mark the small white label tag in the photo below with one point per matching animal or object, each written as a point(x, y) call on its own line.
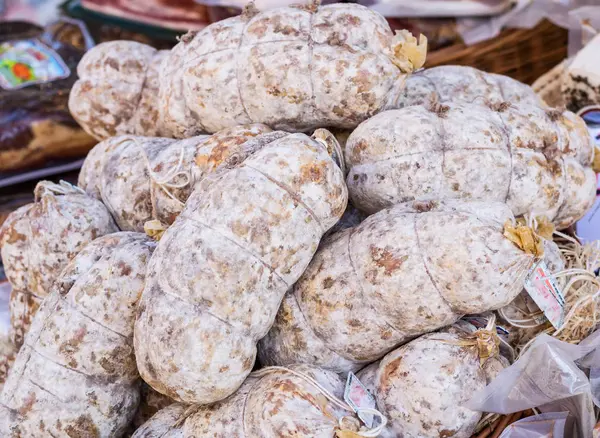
point(358, 397)
point(546, 294)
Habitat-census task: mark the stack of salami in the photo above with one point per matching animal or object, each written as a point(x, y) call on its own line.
point(288, 186)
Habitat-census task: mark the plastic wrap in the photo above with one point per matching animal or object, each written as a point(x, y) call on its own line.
point(181, 15)
point(545, 377)
point(37, 70)
point(4, 313)
point(440, 32)
point(584, 24)
point(591, 363)
point(551, 424)
point(393, 8)
point(525, 14)
point(437, 8)
point(7, 349)
point(261, 5)
point(39, 11)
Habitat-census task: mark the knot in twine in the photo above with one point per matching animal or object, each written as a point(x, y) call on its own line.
point(311, 6)
point(249, 11)
point(486, 341)
point(437, 107)
point(187, 37)
point(555, 114)
point(165, 182)
point(348, 425)
point(44, 188)
point(500, 106)
point(527, 233)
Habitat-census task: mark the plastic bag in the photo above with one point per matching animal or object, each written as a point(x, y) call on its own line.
point(550, 425)
point(525, 14)
point(546, 377)
point(4, 312)
point(7, 349)
point(37, 71)
point(591, 362)
point(441, 32)
point(438, 8)
point(182, 15)
point(261, 5)
point(584, 24)
point(41, 12)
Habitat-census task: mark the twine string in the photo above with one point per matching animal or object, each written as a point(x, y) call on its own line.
point(165, 182)
point(62, 188)
point(332, 398)
point(581, 292)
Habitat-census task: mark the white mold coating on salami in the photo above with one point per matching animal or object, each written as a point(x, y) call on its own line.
point(536, 160)
point(422, 386)
point(38, 240)
point(275, 405)
point(75, 375)
point(117, 90)
point(450, 83)
point(220, 271)
point(292, 68)
point(402, 272)
point(145, 178)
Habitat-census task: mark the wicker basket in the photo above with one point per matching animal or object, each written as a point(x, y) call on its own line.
point(496, 424)
point(548, 86)
point(523, 54)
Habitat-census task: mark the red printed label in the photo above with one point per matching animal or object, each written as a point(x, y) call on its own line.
point(29, 62)
point(546, 294)
point(358, 397)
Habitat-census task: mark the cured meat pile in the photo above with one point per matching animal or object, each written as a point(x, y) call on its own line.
point(226, 260)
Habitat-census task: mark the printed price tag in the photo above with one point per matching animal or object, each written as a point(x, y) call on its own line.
point(29, 62)
point(546, 294)
point(358, 397)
